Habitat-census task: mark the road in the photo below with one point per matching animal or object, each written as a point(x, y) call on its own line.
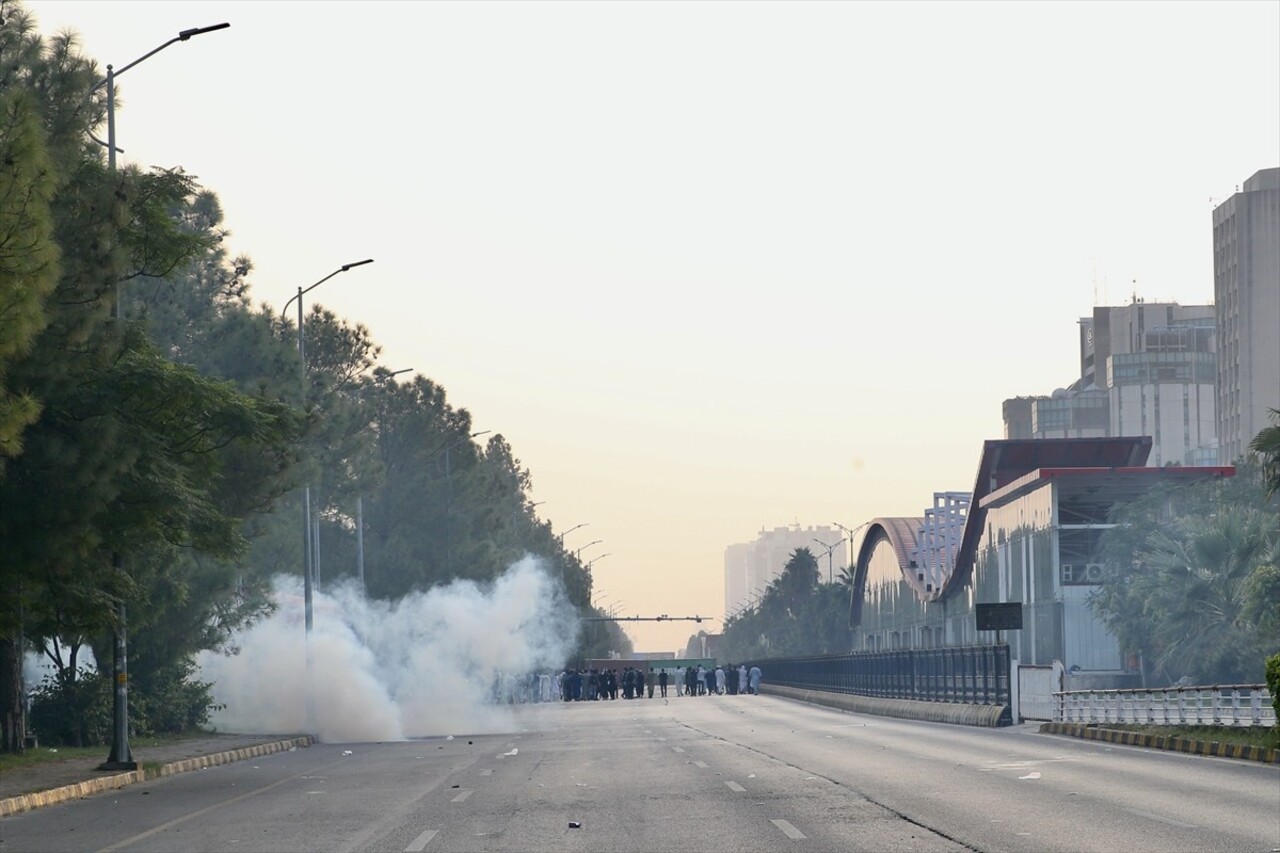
point(689, 774)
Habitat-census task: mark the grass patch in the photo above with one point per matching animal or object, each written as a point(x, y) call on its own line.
point(48, 755)
point(1255, 736)
point(45, 755)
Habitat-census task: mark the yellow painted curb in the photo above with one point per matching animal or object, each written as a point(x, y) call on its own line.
point(1174, 744)
point(26, 802)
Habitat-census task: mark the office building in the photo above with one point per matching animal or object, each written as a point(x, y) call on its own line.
point(1246, 292)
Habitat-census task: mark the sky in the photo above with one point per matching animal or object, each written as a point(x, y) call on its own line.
point(711, 268)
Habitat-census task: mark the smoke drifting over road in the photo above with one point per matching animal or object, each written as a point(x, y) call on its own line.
point(423, 665)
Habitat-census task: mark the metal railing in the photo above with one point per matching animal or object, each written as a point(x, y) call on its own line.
point(964, 674)
point(1218, 705)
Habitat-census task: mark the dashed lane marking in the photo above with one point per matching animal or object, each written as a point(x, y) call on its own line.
point(462, 795)
point(677, 749)
point(788, 830)
point(486, 771)
point(701, 764)
point(734, 786)
point(420, 843)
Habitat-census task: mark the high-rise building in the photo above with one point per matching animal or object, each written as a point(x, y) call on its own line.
point(1146, 369)
point(1246, 292)
point(1158, 363)
point(750, 566)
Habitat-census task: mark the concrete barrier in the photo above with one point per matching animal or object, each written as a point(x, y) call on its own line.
point(26, 802)
point(909, 709)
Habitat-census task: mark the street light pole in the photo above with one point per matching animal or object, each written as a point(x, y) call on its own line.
point(448, 505)
point(360, 499)
point(307, 557)
point(849, 537)
point(121, 756)
point(560, 537)
point(830, 548)
point(308, 564)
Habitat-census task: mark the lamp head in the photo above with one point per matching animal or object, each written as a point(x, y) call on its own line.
point(199, 31)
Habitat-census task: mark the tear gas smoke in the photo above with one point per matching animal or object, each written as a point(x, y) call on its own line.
point(422, 665)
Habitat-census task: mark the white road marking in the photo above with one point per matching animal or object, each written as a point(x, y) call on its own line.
point(421, 842)
point(701, 764)
point(734, 786)
point(462, 795)
point(1169, 821)
point(677, 749)
point(486, 771)
point(788, 830)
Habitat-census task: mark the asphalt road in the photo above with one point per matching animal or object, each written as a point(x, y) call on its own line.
point(689, 774)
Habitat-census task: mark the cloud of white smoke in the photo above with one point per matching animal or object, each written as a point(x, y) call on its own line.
point(423, 665)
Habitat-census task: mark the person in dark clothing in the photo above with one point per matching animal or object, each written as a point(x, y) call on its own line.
point(662, 682)
point(639, 683)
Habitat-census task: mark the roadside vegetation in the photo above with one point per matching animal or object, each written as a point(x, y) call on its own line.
point(42, 754)
point(154, 434)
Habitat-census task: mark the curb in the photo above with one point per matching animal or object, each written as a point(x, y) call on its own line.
point(1173, 744)
point(987, 716)
point(37, 799)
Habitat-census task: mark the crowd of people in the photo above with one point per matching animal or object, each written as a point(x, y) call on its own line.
point(593, 684)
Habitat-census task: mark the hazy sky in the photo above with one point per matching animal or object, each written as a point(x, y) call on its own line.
point(712, 267)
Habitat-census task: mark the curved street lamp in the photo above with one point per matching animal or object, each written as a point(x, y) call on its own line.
point(308, 555)
point(121, 756)
point(380, 375)
point(448, 498)
point(849, 537)
point(310, 546)
point(829, 549)
point(560, 537)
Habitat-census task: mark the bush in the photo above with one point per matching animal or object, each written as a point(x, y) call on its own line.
point(79, 710)
point(169, 701)
point(1273, 683)
point(72, 708)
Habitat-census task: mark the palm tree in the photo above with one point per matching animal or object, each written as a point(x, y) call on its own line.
point(1202, 594)
point(1267, 445)
point(846, 578)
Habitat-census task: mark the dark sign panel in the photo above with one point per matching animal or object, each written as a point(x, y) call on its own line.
point(1003, 616)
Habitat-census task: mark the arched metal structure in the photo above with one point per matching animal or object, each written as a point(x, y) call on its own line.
point(900, 533)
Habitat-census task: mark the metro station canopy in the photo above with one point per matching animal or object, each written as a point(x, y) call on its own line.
point(936, 552)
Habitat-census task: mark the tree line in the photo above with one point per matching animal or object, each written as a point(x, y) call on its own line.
point(155, 426)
